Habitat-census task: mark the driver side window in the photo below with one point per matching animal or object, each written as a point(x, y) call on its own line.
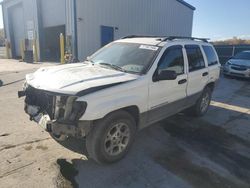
point(172, 60)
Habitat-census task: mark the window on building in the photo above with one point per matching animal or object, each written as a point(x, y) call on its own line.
point(195, 58)
point(172, 60)
point(211, 56)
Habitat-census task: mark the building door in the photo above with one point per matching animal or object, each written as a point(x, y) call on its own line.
point(107, 35)
point(51, 43)
point(16, 29)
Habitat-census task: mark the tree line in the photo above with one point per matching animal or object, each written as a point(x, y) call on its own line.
point(233, 41)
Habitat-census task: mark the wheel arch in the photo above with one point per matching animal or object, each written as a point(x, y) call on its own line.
point(211, 85)
point(132, 110)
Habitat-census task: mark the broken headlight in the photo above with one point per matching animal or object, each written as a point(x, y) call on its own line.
point(78, 109)
point(68, 109)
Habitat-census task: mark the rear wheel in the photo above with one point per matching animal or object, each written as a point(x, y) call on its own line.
point(111, 137)
point(202, 105)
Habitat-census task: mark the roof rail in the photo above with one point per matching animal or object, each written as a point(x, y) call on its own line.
point(142, 36)
point(190, 38)
point(164, 38)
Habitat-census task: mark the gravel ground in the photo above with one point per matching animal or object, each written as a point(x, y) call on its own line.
point(181, 151)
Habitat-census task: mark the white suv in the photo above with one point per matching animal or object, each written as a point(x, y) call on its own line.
point(122, 88)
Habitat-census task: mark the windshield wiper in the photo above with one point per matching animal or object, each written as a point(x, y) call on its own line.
point(91, 61)
point(113, 66)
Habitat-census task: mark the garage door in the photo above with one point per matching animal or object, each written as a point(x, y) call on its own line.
point(17, 29)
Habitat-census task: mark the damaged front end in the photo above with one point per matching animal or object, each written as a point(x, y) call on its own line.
point(57, 113)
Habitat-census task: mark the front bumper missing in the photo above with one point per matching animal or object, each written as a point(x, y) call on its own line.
point(78, 130)
point(58, 115)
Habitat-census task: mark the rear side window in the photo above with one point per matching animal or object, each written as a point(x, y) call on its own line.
point(195, 58)
point(173, 60)
point(211, 56)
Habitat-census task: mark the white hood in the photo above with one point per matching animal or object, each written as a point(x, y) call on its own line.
point(240, 62)
point(73, 78)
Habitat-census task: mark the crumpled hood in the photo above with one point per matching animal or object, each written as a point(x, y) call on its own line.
point(74, 78)
point(240, 62)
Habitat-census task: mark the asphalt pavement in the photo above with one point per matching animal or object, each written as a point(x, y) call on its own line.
point(179, 152)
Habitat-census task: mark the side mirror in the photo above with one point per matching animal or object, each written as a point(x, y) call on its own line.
point(166, 75)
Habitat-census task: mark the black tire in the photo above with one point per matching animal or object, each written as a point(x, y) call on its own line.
point(98, 143)
point(198, 110)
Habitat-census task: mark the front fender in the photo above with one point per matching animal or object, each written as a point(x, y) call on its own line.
point(103, 102)
point(98, 110)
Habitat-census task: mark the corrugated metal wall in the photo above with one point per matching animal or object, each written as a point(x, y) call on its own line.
point(28, 10)
point(54, 12)
point(147, 17)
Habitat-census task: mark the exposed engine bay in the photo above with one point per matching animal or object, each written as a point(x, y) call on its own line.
point(56, 113)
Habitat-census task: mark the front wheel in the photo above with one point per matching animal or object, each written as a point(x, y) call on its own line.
point(202, 105)
point(111, 137)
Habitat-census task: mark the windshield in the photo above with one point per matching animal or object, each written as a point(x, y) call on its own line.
point(127, 57)
point(242, 55)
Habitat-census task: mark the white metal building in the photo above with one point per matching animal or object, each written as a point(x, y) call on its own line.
point(90, 24)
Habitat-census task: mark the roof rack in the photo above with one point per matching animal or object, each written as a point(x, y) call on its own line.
point(190, 38)
point(142, 36)
point(164, 38)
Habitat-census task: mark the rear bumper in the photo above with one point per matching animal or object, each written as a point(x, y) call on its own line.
point(228, 70)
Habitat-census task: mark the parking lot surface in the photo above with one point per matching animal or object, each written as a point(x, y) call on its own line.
point(180, 152)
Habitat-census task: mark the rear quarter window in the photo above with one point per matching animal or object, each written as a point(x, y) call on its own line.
point(211, 55)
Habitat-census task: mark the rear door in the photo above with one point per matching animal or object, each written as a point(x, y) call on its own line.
point(166, 97)
point(213, 62)
point(198, 72)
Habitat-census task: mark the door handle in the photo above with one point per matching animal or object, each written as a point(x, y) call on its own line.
point(205, 74)
point(182, 81)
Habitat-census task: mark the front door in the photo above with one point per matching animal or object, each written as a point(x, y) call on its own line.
point(168, 97)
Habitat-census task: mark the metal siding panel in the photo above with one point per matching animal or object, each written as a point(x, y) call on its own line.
point(54, 12)
point(29, 14)
point(17, 27)
point(166, 17)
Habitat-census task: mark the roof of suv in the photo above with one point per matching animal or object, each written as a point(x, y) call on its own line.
point(162, 41)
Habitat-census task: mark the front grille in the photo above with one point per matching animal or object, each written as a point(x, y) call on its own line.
point(239, 68)
point(42, 99)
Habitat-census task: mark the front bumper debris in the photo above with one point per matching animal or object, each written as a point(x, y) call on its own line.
point(57, 114)
point(78, 130)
